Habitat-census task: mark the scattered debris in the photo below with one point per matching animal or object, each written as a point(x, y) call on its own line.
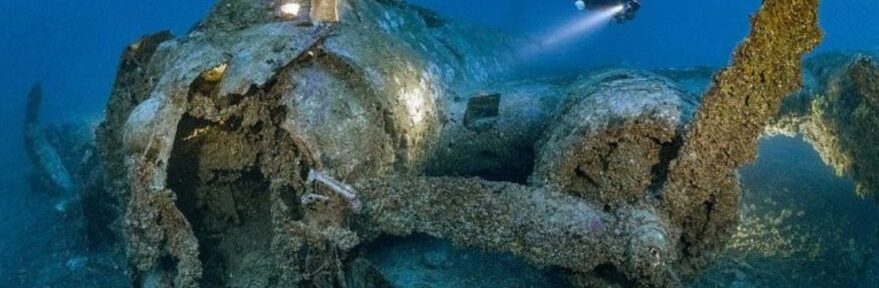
point(340, 189)
point(481, 108)
point(313, 198)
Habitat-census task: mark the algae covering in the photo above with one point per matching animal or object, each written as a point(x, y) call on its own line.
point(263, 150)
point(702, 192)
point(829, 112)
point(836, 113)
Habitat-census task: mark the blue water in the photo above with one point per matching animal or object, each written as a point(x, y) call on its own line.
point(73, 47)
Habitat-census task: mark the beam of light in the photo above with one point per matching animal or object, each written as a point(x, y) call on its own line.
point(588, 23)
point(580, 26)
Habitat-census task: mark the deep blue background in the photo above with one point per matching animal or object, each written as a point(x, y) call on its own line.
point(73, 46)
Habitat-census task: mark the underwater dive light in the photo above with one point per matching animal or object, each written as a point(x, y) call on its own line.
point(580, 5)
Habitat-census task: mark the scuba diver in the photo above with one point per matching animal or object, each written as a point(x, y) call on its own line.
point(630, 7)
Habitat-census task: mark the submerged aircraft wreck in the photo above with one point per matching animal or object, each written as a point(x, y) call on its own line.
point(267, 146)
point(837, 114)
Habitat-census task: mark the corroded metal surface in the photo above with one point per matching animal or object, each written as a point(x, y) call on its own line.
point(702, 193)
point(220, 129)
